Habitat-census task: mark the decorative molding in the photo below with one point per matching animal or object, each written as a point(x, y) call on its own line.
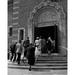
point(15, 12)
point(16, 2)
point(14, 41)
point(14, 18)
point(45, 3)
point(16, 23)
point(51, 23)
point(10, 26)
point(15, 7)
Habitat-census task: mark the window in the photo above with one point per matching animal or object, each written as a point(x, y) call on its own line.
point(10, 31)
point(21, 34)
point(55, 0)
point(10, 1)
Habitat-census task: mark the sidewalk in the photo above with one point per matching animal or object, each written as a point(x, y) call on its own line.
point(36, 72)
point(17, 70)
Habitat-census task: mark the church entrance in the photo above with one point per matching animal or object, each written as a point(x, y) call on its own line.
point(45, 32)
point(48, 19)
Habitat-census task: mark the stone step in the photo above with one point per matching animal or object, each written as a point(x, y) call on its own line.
point(51, 61)
point(57, 60)
point(42, 64)
point(38, 67)
point(48, 61)
point(51, 64)
point(53, 55)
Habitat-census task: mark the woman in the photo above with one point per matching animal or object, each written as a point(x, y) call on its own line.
point(38, 47)
point(31, 55)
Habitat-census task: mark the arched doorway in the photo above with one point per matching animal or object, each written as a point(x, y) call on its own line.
point(49, 17)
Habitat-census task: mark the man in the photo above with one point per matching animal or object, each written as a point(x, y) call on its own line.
point(19, 51)
point(49, 44)
point(14, 48)
point(43, 45)
point(13, 51)
point(26, 44)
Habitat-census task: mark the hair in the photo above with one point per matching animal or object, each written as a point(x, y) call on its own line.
point(27, 37)
point(37, 38)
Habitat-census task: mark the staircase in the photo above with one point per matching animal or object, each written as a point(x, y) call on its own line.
point(46, 62)
point(52, 62)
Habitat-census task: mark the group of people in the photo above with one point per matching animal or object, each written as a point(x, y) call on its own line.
point(28, 50)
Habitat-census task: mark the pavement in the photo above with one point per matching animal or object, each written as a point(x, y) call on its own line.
point(24, 71)
point(35, 72)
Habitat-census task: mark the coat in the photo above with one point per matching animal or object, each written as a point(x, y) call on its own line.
point(31, 55)
point(49, 45)
point(26, 43)
point(38, 44)
point(13, 48)
point(19, 48)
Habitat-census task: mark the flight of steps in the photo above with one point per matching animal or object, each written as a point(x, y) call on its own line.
point(52, 61)
point(46, 62)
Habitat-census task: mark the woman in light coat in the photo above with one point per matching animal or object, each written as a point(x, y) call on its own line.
point(37, 48)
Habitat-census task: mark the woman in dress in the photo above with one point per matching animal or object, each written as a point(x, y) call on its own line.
point(38, 47)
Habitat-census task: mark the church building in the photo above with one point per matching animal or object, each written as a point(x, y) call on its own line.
point(32, 18)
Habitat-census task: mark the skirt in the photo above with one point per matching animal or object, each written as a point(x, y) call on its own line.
point(37, 51)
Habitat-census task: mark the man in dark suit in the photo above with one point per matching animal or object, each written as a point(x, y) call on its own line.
point(26, 44)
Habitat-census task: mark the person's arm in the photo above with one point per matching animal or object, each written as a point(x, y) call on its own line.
point(51, 40)
point(35, 43)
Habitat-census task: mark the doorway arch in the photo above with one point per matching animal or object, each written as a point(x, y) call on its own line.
point(39, 19)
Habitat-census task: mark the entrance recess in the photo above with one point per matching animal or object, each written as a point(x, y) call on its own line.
point(45, 32)
point(45, 14)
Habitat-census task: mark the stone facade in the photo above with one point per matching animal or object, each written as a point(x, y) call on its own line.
point(28, 14)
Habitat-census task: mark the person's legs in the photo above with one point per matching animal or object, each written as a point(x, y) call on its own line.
point(8, 56)
point(14, 59)
point(12, 54)
point(19, 56)
point(36, 58)
point(49, 50)
point(30, 68)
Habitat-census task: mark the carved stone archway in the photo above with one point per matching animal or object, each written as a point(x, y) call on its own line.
point(61, 21)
